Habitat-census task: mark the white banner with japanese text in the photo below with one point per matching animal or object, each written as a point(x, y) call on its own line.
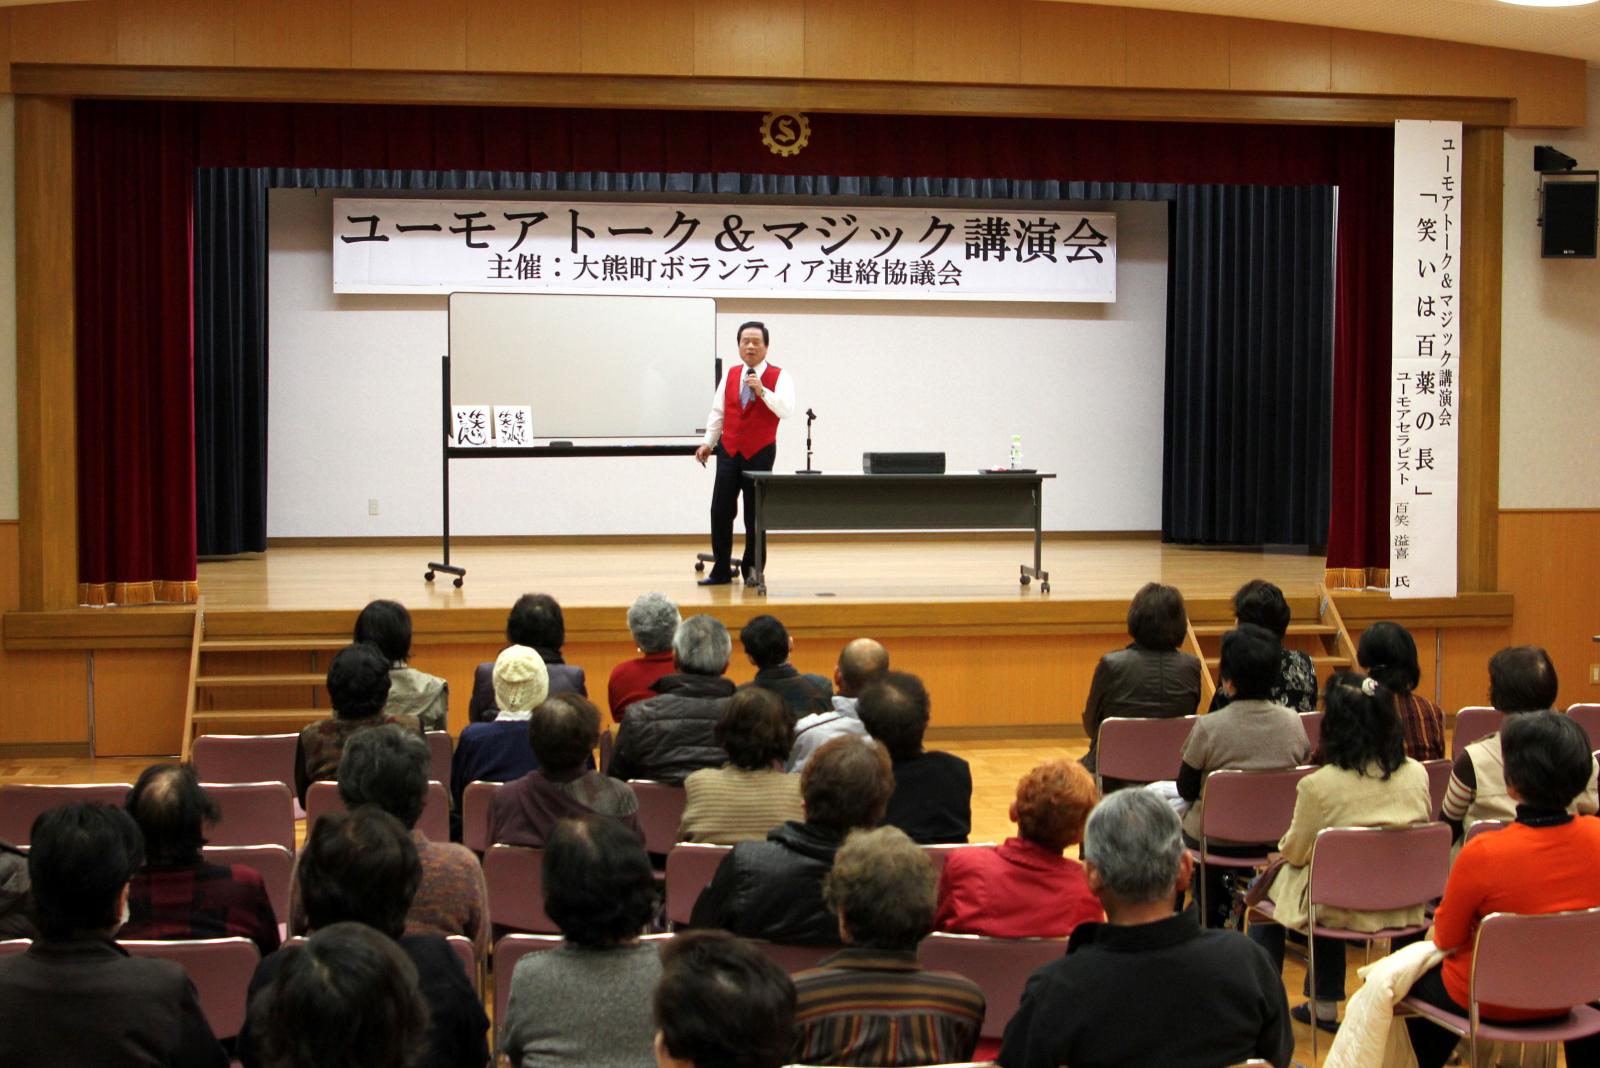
point(1425, 380)
point(759, 251)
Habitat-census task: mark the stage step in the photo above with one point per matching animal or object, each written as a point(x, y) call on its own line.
point(308, 678)
point(1217, 630)
point(270, 645)
point(1319, 662)
point(257, 715)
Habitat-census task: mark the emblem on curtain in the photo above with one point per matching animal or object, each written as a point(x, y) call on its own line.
point(785, 133)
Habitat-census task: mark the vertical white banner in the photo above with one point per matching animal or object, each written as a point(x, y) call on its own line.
point(1425, 379)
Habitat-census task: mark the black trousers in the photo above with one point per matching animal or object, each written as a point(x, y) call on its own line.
point(730, 484)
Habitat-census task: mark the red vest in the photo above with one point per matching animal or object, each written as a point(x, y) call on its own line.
point(746, 431)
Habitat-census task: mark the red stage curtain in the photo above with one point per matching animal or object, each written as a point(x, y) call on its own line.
point(134, 190)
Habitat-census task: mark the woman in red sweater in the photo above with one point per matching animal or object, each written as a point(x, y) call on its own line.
point(1547, 861)
point(1024, 887)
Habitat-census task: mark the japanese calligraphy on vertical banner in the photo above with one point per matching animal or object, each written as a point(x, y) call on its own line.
point(723, 250)
point(1425, 388)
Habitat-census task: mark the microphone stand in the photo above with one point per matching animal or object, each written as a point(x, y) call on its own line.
point(811, 417)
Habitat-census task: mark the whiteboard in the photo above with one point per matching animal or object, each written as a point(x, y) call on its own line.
point(588, 366)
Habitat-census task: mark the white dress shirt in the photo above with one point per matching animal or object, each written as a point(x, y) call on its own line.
point(779, 399)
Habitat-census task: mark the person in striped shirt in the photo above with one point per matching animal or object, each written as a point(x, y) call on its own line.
point(872, 1004)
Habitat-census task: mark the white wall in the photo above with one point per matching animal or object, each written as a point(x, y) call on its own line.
point(1550, 340)
point(8, 309)
point(354, 401)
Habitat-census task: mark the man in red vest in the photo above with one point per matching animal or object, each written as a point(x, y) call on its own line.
point(742, 430)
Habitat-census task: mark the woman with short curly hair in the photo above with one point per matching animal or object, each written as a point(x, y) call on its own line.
point(1025, 887)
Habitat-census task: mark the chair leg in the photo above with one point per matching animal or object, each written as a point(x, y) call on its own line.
point(1311, 978)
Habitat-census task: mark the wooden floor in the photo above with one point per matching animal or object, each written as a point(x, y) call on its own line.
point(849, 570)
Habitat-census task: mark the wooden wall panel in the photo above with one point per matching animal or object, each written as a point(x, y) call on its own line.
point(1482, 209)
point(1177, 50)
point(1550, 90)
point(139, 695)
point(5, 51)
point(162, 33)
point(409, 34)
point(44, 697)
point(1279, 57)
point(1073, 44)
point(524, 35)
point(46, 357)
point(734, 38)
point(849, 39)
point(1390, 64)
point(638, 37)
point(958, 41)
point(1552, 561)
point(293, 33)
point(65, 33)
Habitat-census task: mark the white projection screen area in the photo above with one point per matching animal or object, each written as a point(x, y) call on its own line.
point(619, 368)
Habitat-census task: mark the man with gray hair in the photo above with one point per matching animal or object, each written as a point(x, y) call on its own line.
point(669, 735)
point(652, 620)
point(1192, 998)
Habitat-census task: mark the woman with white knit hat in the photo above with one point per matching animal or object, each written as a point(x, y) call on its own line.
point(498, 751)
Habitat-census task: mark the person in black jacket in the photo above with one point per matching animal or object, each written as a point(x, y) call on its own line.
point(767, 643)
point(932, 799)
point(535, 621)
point(773, 889)
point(667, 736)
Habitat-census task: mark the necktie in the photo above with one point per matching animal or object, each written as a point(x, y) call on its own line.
point(746, 394)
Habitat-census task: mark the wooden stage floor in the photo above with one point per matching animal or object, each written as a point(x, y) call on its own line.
point(814, 570)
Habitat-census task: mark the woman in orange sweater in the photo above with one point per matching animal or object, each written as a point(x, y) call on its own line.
point(1547, 861)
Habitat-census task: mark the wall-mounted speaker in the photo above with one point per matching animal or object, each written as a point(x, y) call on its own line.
point(1571, 209)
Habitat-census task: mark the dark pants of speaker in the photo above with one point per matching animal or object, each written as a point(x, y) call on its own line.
point(725, 494)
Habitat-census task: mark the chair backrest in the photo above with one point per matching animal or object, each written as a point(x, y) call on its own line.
point(1369, 869)
point(1483, 827)
point(793, 958)
point(516, 889)
point(1537, 962)
point(1249, 806)
point(461, 946)
point(9, 946)
point(1588, 717)
point(273, 863)
point(21, 803)
point(938, 854)
point(439, 757)
point(1142, 750)
point(507, 951)
point(244, 757)
point(1001, 966)
point(221, 969)
point(1472, 723)
point(253, 813)
point(434, 822)
point(690, 866)
point(1438, 782)
point(660, 812)
point(475, 802)
point(1312, 722)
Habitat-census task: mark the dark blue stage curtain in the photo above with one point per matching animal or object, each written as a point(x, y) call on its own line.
point(1249, 394)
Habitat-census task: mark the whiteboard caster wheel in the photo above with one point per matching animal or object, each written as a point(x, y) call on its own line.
point(1044, 587)
point(1023, 579)
point(457, 583)
point(699, 566)
point(427, 576)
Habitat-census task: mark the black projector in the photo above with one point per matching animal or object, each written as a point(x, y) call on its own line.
point(902, 463)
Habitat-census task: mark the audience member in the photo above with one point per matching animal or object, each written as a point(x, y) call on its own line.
point(1025, 887)
point(348, 997)
point(1546, 861)
point(76, 997)
point(562, 732)
point(388, 768)
point(721, 1003)
point(652, 621)
point(1261, 603)
point(667, 736)
point(1521, 679)
point(1251, 732)
point(1389, 654)
point(176, 894)
point(1148, 986)
point(387, 625)
point(1151, 678)
point(358, 686)
point(860, 662)
point(16, 896)
point(773, 889)
point(750, 794)
point(362, 867)
point(498, 750)
point(767, 643)
point(536, 622)
point(871, 1003)
point(587, 1002)
point(932, 799)
point(1366, 781)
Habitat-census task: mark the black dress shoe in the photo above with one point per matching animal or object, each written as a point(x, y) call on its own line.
point(715, 579)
